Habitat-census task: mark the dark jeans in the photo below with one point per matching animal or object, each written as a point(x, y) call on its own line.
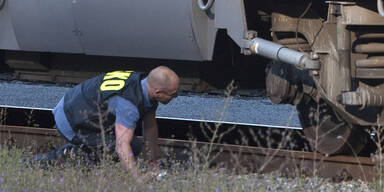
point(88, 146)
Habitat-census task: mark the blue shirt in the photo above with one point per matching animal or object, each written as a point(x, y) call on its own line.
point(126, 113)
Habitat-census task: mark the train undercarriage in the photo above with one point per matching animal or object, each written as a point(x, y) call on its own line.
point(327, 56)
point(338, 94)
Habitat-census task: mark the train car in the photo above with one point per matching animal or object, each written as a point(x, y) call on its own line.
point(327, 56)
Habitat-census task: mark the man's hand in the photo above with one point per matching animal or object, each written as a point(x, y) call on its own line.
point(144, 177)
point(148, 176)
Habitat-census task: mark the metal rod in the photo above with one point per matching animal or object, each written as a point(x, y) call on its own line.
point(288, 41)
point(380, 8)
point(363, 97)
point(370, 63)
point(281, 53)
point(371, 36)
point(370, 48)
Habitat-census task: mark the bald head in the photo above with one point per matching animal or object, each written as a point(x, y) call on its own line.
point(163, 78)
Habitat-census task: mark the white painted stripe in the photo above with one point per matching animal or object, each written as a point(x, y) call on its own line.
point(31, 108)
point(231, 122)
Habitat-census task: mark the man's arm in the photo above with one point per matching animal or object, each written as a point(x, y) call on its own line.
point(124, 136)
point(150, 132)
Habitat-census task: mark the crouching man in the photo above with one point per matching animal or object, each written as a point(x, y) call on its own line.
point(102, 112)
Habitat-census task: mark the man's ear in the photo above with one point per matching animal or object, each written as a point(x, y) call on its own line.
point(157, 91)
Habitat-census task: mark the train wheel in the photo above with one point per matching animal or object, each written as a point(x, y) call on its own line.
point(326, 133)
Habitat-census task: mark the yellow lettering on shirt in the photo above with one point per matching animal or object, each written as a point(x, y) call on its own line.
point(117, 74)
point(112, 85)
point(114, 81)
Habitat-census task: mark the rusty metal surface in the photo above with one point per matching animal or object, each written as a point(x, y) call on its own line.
point(344, 53)
point(370, 63)
point(370, 73)
point(292, 163)
point(326, 35)
point(255, 159)
point(370, 36)
point(363, 97)
point(282, 83)
point(370, 48)
point(365, 16)
point(40, 139)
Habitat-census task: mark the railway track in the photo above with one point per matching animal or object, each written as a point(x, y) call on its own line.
point(254, 159)
point(256, 154)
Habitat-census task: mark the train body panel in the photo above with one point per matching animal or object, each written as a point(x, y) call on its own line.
point(7, 34)
point(135, 28)
point(45, 26)
point(230, 15)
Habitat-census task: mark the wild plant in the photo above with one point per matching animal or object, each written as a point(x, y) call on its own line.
point(30, 117)
point(3, 115)
point(377, 136)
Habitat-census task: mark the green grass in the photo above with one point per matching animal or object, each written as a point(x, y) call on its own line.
point(181, 177)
